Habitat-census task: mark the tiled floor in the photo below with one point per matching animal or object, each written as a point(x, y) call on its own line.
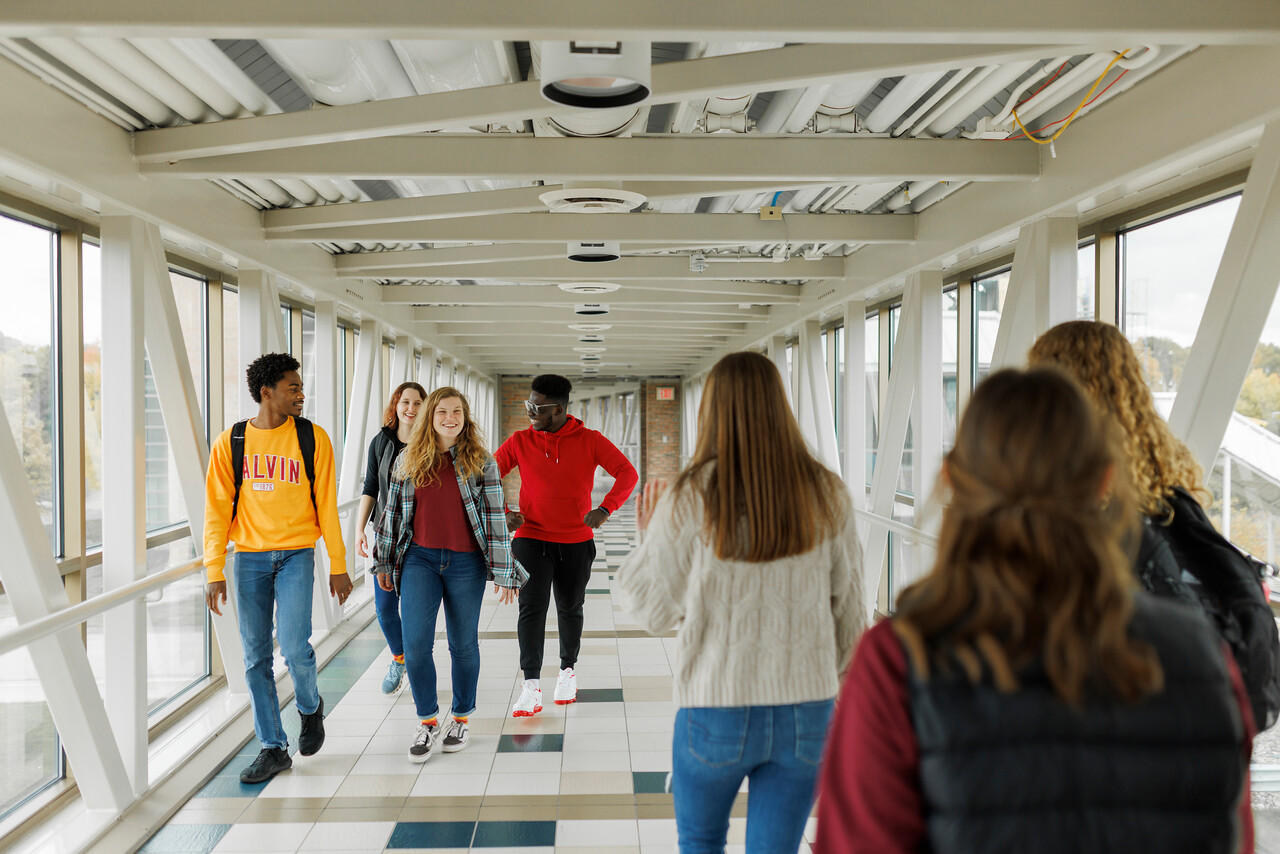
point(584, 777)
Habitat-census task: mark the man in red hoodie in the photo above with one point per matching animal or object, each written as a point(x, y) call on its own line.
point(552, 532)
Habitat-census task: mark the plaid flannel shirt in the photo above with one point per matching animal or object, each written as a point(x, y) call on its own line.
point(483, 501)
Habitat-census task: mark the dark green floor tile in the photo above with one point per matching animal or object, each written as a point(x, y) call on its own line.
point(649, 782)
point(597, 589)
point(515, 834)
point(229, 787)
point(185, 839)
point(532, 742)
point(599, 695)
point(432, 834)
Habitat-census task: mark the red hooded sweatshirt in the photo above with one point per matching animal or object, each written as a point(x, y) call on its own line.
point(557, 471)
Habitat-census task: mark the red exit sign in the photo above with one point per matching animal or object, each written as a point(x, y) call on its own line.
point(666, 393)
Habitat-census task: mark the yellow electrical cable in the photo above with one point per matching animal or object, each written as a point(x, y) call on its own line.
point(1079, 107)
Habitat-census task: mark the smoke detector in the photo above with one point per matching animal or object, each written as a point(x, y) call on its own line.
point(590, 309)
point(595, 74)
point(589, 287)
point(590, 327)
point(589, 350)
point(597, 198)
point(593, 253)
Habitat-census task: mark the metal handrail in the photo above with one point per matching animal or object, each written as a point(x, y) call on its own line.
point(28, 633)
point(915, 534)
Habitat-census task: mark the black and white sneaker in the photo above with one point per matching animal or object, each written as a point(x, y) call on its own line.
point(457, 737)
point(424, 742)
point(270, 762)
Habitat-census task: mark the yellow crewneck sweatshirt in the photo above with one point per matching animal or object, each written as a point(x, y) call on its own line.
point(275, 511)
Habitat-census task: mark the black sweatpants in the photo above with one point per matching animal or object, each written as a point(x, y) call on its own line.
point(566, 569)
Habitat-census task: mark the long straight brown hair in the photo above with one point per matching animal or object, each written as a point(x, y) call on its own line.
point(1030, 565)
point(764, 495)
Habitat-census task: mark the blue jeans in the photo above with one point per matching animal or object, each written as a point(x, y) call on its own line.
point(283, 581)
point(779, 748)
point(387, 604)
point(432, 576)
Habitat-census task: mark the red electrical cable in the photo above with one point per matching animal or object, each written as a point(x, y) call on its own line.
point(1045, 84)
point(1060, 121)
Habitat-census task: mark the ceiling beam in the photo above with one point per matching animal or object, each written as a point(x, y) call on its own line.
point(519, 317)
point(478, 254)
point(692, 229)
point(847, 159)
point(535, 295)
point(470, 335)
point(668, 268)
point(484, 202)
point(672, 82)
point(863, 21)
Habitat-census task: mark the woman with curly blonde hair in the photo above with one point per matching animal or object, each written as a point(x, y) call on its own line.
point(443, 531)
point(1102, 360)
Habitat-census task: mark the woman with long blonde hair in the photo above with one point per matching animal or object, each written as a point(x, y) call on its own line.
point(1025, 696)
point(753, 557)
point(442, 533)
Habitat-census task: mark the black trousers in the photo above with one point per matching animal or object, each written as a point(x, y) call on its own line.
point(561, 567)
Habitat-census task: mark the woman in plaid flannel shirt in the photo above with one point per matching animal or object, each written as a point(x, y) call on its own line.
point(442, 534)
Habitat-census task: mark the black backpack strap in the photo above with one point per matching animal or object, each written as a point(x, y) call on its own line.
point(307, 443)
point(237, 460)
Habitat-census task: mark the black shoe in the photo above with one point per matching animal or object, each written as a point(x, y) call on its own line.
point(270, 762)
point(312, 736)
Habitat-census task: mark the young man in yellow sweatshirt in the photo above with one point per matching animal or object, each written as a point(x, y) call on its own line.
point(275, 520)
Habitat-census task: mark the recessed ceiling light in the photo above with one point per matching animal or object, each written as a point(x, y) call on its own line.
point(589, 287)
point(595, 74)
point(590, 349)
point(594, 252)
point(590, 327)
point(589, 309)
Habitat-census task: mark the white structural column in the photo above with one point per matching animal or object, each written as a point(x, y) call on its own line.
point(351, 478)
point(778, 355)
point(184, 425)
point(926, 403)
point(34, 588)
point(402, 361)
point(817, 422)
point(893, 437)
point(427, 370)
point(328, 383)
point(1239, 303)
point(261, 327)
point(853, 426)
point(1042, 287)
point(124, 530)
point(445, 375)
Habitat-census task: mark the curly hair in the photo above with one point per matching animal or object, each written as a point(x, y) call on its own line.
point(553, 387)
point(1030, 564)
point(1102, 360)
point(267, 370)
point(391, 418)
point(420, 457)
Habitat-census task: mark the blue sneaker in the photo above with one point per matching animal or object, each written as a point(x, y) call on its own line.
point(394, 678)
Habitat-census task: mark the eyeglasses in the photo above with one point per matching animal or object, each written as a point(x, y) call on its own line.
point(532, 408)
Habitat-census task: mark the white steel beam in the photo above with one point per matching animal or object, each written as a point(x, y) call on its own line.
point(561, 314)
point(34, 589)
point(848, 159)
point(402, 361)
point(720, 293)
point(261, 327)
point(672, 82)
point(673, 229)
point(390, 265)
point(427, 369)
point(446, 374)
point(124, 485)
point(853, 425)
point(487, 202)
point(816, 419)
point(1240, 302)
point(778, 355)
point(328, 407)
point(926, 403)
point(1042, 287)
point(365, 379)
point(1104, 21)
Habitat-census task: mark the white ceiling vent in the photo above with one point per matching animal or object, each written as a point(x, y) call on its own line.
point(590, 327)
point(589, 350)
point(598, 198)
point(590, 339)
point(591, 309)
point(589, 287)
point(594, 253)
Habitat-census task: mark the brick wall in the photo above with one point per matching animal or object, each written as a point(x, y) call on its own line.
point(659, 431)
point(513, 392)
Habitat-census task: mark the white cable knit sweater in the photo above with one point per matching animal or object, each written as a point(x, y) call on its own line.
point(748, 634)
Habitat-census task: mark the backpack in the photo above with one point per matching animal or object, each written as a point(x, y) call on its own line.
point(306, 443)
point(1228, 583)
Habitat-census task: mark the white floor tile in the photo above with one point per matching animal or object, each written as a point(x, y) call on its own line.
point(523, 784)
point(601, 761)
point(657, 832)
point(596, 834)
point(264, 837)
point(347, 836)
point(431, 785)
point(288, 785)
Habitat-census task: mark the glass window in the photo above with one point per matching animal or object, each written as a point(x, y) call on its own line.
point(29, 746)
point(27, 365)
point(904, 474)
point(1167, 270)
point(988, 302)
point(873, 391)
point(233, 377)
point(950, 362)
point(286, 320)
point(309, 363)
point(837, 396)
point(1086, 262)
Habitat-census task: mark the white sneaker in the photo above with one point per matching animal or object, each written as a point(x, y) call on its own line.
point(567, 687)
point(456, 737)
point(530, 702)
point(424, 742)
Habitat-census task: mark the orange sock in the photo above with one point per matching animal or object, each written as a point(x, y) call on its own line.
point(462, 719)
point(398, 659)
point(431, 722)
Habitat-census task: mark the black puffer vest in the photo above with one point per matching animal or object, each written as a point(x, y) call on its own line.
point(1024, 772)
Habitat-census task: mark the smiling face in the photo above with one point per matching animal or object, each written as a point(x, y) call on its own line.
point(544, 415)
point(448, 419)
point(407, 407)
point(285, 397)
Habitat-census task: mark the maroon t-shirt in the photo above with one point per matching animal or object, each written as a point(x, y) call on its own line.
point(439, 519)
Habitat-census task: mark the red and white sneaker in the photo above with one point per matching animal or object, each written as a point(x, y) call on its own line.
point(530, 702)
point(567, 687)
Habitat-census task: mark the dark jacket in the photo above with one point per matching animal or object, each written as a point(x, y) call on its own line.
point(1025, 772)
point(383, 450)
